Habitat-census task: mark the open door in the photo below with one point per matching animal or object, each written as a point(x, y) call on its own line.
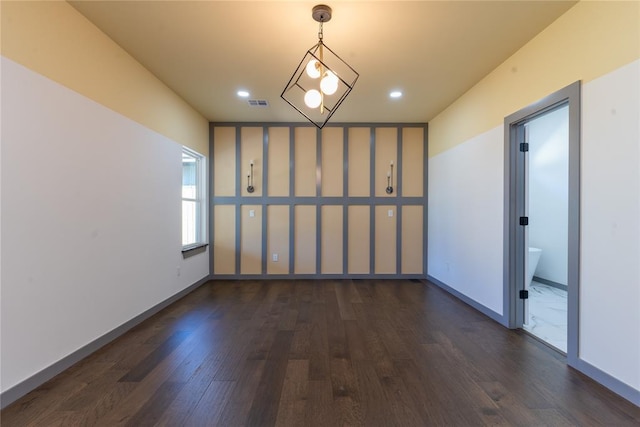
point(529, 205)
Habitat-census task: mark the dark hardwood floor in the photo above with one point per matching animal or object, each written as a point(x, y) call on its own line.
point(325, 353)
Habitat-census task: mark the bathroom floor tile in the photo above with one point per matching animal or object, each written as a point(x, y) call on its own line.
point(548, 314)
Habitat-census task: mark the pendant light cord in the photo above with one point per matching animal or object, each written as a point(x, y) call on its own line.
point(321, 67)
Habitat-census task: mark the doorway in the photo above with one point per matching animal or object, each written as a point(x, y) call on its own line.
point(546, 236)
point(542, 151)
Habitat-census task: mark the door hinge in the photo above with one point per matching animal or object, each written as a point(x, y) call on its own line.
point(524, 147)
point(524, 220)
point(524, 294)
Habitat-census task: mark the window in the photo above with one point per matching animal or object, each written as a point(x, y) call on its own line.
point(193, 199)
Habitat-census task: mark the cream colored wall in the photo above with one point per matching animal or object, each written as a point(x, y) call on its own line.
point(224, 153)
point(54, 40)
point(385, 249)
point(278, 239)
point(251, 239)
point(359, 157)
point(331, 245)
point(361, 244)
point(590, 40)
point(278, 161)
point(251, 153)
point(412, 162)
point(305, 239)
point(305, 161)
point(412, 240)
point(332, 161)
point(359, 240)
point(386, 153)
point(225, 238)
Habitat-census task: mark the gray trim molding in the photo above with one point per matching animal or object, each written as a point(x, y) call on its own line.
point(292, 206)
point(318, 206)
point(345, 210)
point(481, 308)
point(14, 393)
point(425, 211)
point(514, 207)
point(372, 193)
point(210, 187)
point(613, 384)
point(310, 200)
point(398, 190)
point(195, 249)
point(571, 96)
point(315, 276)
point(318, 201)
point(328, 125)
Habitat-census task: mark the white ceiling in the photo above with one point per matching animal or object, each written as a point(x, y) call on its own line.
point(433, 51)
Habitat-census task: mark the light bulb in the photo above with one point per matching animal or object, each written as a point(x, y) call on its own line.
point(313, 69)
point(312, 98)
point(329, 83)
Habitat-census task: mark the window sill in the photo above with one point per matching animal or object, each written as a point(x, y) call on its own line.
point(194, 249)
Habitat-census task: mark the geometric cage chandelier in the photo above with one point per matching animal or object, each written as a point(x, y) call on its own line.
point(322, 80)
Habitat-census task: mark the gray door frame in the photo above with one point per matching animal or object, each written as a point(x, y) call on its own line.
point(514, 179)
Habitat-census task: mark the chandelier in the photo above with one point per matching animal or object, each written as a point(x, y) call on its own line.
point(322, 80)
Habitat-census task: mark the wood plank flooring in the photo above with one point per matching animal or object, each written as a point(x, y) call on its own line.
point(321, 353)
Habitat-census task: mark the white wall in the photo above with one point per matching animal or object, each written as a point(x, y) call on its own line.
point(465, 218)
point(549, 192)
point(90, 222)
point(466, 222)
point(610, 234)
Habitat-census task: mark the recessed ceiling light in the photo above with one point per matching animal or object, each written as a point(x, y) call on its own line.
point(243, 93)
point(395, 94)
